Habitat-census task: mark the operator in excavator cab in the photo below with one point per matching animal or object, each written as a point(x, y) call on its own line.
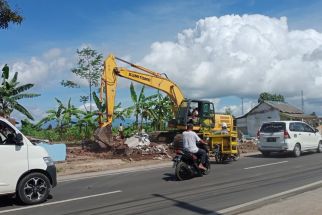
point(190, 139)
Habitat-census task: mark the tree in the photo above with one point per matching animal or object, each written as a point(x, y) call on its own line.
point(89, 67)
point(270, 97)
point(148, 111)
point(162, 111)
point(11, 92)
point(63, 116)
point(228, 111)
point(119, 112)
point(7, 15)
point(137, 102)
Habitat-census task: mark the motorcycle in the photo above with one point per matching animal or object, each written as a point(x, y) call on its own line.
point(186, 164)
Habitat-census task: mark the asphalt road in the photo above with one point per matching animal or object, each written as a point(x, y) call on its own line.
point(157, 191)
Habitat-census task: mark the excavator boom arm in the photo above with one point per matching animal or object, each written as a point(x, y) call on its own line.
point(152, 79)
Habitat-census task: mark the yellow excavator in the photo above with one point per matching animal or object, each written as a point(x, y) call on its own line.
point(206, 123)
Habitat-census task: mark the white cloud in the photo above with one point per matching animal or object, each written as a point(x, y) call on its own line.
point(241, 56)
point(52, 54)
point(43, 71)
point(86, 107)
point(237, 108)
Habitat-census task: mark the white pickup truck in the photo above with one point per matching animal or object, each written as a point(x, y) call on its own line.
point(26, 169)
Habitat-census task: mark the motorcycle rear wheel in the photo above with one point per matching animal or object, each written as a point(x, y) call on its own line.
point(183, 172)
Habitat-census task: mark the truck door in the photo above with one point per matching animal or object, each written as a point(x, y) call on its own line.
point(13, 159)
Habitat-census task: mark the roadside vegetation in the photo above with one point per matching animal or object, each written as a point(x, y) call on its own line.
point(68, 123)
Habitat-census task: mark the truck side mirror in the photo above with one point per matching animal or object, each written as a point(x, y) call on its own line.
point(18, 139)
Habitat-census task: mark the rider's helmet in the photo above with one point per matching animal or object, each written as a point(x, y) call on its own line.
point(224, 125)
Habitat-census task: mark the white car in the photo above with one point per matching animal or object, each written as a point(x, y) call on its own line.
point(288, 136)
point(26, 169)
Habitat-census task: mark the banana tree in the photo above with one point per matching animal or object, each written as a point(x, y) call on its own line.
point(148, 108)
point(11, 92)
point(137, 103)
point(163, 111)
point(62, 116)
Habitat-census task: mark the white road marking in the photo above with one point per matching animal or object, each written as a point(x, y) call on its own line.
point(59, 202)
point(237, 208)
point(269, 164)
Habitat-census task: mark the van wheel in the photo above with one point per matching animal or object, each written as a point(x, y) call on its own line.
point(33, 188)
point(320, 147)
point(265, 153)
point(297, 150)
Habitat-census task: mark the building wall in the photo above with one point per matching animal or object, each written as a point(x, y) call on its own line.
point(242, 125)
point(257, 116)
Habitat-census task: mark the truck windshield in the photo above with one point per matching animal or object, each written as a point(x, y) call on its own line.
point(273, 127)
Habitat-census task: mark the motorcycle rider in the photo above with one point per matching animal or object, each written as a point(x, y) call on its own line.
point(190, 139)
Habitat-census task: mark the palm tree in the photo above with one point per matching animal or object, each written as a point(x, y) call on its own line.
point(11, 92)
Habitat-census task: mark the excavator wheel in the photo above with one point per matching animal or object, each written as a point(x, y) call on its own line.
point(103, 136)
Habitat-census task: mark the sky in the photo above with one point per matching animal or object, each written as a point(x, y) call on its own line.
point(220, 50)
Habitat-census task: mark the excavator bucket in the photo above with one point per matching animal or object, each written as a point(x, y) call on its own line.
point(103, 136)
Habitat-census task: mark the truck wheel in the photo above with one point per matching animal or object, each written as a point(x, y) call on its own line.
point(297, 150)
point(33, 188)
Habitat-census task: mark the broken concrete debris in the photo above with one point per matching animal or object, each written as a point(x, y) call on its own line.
point(140, 143)
point(138, 140)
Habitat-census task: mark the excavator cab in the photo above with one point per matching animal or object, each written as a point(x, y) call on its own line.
point(200, 113)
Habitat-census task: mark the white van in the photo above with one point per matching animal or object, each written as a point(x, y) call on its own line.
point(288, 136)
point(26, 169)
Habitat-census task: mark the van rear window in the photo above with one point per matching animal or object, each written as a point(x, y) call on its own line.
point(273, 127)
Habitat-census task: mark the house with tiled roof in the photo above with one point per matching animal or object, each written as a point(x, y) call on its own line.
point(267, 111)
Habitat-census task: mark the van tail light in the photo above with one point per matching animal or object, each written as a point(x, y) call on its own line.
point(286, 135)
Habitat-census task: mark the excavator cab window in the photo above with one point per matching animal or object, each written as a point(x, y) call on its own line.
point(207, 110)
point(207, 114)
point(182, 113)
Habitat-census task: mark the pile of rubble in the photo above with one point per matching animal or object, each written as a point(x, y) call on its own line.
point(137, 147)
point(140, 144)
point(246, 146)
